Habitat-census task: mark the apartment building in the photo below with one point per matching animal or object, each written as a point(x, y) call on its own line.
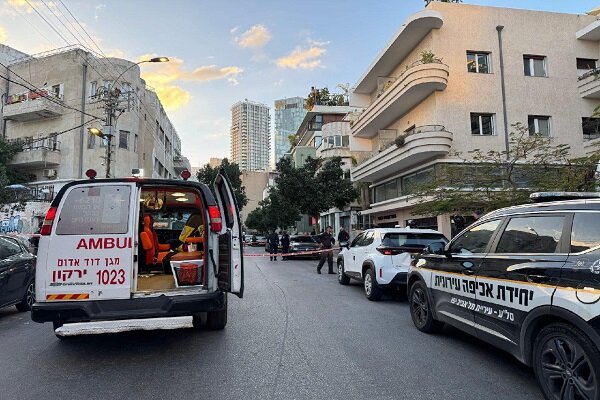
point(455, 78)
point(53, 126)
point(250, 135)
point(289, 114)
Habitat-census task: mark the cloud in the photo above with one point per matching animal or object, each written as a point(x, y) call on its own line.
point(234, 29)
point(302, 59)
point(164, 77)
point(98, 9)
point(23, 6)
point(256, 36)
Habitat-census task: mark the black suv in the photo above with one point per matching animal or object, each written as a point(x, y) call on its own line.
point(525, 279)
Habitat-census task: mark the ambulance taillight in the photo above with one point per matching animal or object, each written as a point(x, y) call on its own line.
point(47, 225)
point(215, 218)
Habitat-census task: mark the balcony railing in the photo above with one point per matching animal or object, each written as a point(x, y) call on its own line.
point(589, 84)
point(415, 84)
point(37, 153)
point(406, 151)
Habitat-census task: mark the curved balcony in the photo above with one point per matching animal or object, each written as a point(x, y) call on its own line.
point(412, 87)
point(427, 142)
point(589, 85)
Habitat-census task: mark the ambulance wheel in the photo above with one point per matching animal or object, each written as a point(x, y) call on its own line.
point(566, 363)
point(216, 320)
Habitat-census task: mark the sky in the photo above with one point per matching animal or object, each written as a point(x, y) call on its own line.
point(225, 51)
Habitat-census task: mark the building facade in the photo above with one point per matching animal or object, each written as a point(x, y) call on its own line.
point(52, 98)
point(250, 135)
point(289, 114)
point(455, 78)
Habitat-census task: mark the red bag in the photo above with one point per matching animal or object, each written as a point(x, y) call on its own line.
point(188, 274)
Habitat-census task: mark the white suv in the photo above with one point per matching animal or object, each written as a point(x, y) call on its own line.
point(380, 257)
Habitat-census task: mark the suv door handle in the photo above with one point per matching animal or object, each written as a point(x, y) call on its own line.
point(538, 278)
point(468, 271)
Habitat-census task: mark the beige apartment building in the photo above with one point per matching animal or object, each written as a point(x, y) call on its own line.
point(56, 145)
point(455, 78)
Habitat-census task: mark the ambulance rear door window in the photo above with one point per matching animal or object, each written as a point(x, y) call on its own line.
point(95, 210)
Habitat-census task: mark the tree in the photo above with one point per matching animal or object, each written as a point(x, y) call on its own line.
point(273, 212)
point(9, 199)
point(207, 175)
point(442, 1)
point(325, 98)
point(495, 179)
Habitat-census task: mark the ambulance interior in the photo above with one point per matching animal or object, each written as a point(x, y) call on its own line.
point(171, 252)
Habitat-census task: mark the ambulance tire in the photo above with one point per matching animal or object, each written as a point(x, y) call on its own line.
point(216, 320)
point(566, 360)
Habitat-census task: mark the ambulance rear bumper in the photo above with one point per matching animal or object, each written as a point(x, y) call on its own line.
point(148, 307)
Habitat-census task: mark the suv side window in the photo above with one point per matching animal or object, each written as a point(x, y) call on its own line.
point(585, 234)
point(368, 239)
point(9, 248)
point(357, 240)
point(538, 234)
point(476, 239)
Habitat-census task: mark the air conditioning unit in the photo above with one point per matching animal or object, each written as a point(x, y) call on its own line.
point(49, 173)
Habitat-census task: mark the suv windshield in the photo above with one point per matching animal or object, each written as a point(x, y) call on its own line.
point(411, 239)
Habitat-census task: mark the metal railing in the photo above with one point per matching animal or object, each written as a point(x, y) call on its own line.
point(593, 72)
point(47, 143)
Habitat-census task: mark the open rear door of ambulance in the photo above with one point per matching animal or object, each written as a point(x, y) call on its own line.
point(231, 262)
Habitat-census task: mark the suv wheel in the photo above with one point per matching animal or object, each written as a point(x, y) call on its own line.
point(343, 279)
point(372, 289)
point(566, 363)
point(28, 298)
point(420, 309)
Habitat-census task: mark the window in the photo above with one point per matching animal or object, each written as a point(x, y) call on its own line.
point(414, 182)
point(367, 239)
point(95, 210)
point(411, 239)
point(135, 143)
point(482, 124)
point(91, 143)
point(124, 140)
point(585, 234)
point(57, 91)
point(539, 125)
point(531, 235)
point(591, 127)
point(93, 88)
point(534, 65)
point(9, 247)
point(586, 64)
point(476, 239)
point(478, 62)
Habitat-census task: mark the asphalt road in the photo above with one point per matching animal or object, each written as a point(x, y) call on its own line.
point(294, 335)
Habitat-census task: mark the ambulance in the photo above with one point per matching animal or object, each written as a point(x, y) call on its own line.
point(136, 248)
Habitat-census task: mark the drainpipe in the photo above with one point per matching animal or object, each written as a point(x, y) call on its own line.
point(4, 99)
point(499, 28)
point(82, 129)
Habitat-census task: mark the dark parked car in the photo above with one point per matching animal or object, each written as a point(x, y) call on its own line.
point(17, 272)
point(258, 241)
point(302, 243)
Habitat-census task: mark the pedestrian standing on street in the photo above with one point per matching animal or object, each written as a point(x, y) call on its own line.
point(285, 245)
point(327, 241)
point(343, 237)
point(273, 240)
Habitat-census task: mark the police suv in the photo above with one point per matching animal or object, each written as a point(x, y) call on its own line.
point(525, 279)
point(134, 248)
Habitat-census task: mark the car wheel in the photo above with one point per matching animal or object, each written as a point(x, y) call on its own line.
point(566, 363)
point(420, 309)
point(217, 320)
point(372, 289)
point(28, 298)
point(343, 279)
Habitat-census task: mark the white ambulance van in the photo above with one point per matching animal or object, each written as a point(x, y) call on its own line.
point(133, 248)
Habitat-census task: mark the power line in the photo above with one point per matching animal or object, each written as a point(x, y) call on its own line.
point(49, 24)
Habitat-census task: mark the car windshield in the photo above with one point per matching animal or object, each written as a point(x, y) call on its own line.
point(302, 239)
point(411, 239)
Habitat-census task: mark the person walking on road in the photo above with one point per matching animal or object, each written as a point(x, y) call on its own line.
point(285, 244)
point(343, 237)
point(273, 240)
point(327, 241)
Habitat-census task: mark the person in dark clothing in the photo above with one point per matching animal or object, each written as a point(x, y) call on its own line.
point(343, 237)
point(273, 240)
point(285, 244)
point(327, 241)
